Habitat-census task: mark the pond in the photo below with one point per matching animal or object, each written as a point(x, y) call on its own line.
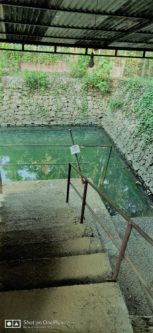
point(44, 153)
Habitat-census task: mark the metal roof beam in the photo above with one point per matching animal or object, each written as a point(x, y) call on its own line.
point(116, 55)
point(54, 37)
point(66, 27)
point(93, 46)
point(43, 25)
point(129, 32)
point(75, 10)
point(67, 37)
point(79, 45)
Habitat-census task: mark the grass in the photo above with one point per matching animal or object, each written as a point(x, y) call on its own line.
point(79, 67)
point(35, 80)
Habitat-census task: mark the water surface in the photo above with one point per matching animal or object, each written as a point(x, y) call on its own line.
point(50, 149)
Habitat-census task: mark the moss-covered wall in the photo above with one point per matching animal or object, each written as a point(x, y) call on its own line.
point(64, 101)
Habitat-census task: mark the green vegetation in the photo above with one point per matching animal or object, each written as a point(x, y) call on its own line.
point(84, 106)
point(2, 65)
point(115, 103)
point(1, 70)
point(79, 67)
point(40, 58)
point(11, 61)
point(135, 96)
point(97, 77)
point(36, 80)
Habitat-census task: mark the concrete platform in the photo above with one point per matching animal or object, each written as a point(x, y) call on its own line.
point(84, 245)
point(79, 269)
point(94, 308)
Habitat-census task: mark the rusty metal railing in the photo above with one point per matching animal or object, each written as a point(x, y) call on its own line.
point(130, 224)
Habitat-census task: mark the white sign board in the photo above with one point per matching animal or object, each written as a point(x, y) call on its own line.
point(75, 149)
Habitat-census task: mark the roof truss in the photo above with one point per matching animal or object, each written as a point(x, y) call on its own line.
point(78, 24)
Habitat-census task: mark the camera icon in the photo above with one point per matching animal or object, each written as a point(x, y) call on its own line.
point(12, 323)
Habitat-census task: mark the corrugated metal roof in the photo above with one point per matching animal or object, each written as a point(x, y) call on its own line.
point(121, 24)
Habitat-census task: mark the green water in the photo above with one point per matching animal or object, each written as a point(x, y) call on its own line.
point(119, 184)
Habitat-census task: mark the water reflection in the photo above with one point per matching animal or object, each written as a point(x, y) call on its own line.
point(26, 174)
point(48, 162)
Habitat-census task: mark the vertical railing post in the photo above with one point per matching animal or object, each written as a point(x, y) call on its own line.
point(76, 155)
point(68, 182)
point(0, 183)
point(104, 172)
point(106, 167)
point(84, 200)
point(122, 251)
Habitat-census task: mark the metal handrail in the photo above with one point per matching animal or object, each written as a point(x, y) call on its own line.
point(50, 145)
point(130, 223)
point(35, 164)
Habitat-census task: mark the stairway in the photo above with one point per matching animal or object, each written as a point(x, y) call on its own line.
point(55, 276)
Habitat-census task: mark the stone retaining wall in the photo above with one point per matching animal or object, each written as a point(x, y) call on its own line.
point(66, 102)
point(138, 155)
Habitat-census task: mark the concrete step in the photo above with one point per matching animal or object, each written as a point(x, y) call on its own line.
point(42, 235)
point(84, 245)
point(97, 308)
point(90, 268)
point(29, 220)
point(26, 223)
